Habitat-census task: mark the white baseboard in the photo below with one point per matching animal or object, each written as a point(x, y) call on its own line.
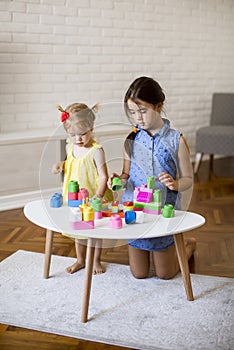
point(19, 200)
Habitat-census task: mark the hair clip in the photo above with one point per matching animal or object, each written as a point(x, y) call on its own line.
point(64, 116)
point(135, 130)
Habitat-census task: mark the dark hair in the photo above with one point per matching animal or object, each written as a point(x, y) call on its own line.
point(145, 89)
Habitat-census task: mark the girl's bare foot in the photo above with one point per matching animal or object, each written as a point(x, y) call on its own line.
point(78, 265)
point(97, 268)
point(190, 246)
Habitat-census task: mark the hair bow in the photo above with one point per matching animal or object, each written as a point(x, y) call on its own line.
point(64, 116)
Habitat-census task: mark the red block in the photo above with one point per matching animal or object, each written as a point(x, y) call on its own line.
point(73, 195)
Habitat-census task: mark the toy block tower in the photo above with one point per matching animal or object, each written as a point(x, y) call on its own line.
point(96, 204)
point(142, 195)
point(155, 206)
point(147, 198)
point(73, 190)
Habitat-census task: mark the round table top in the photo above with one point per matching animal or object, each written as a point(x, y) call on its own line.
point(58, 220)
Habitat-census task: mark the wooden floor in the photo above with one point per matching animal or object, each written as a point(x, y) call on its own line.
point(213, 198)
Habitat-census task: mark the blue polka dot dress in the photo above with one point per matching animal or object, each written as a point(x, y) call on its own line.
point(152, 155)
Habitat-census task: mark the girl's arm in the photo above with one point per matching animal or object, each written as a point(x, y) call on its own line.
point(185, 172)
point(125, 171)
point(100, 162)
point(126, 166)
point(58, 168)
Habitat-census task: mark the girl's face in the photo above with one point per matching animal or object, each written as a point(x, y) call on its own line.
point(146, 115)
point(80, 136)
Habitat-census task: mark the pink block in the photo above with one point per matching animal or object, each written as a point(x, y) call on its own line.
point(82, 225)
point(144, 197)
point(115, 221)
point(97, 215)
point(80, 196)
point(84, 193)
point(153, 212)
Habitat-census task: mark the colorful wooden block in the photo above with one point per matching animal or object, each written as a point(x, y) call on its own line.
point(115, 222)
point(56, 200)
point(74, 203)
point(82, 225)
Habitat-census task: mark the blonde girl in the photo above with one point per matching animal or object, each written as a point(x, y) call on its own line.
point(86, 164)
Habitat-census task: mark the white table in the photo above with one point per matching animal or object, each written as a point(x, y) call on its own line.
point(57, 220)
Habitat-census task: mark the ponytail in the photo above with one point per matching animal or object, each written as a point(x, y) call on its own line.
point(60, 108)
point(128, 143)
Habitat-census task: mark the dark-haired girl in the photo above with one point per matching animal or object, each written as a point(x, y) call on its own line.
point(153, 148)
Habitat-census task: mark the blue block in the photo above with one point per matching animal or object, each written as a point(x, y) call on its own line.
point(74, 202)
point(56, 200)
point(130, 217)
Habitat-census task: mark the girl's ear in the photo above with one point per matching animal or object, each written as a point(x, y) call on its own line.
point(159, 107)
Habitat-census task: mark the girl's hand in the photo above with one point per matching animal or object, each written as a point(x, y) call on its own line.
point(97, 195)
point(168, 181)
point(109, 181)
point(57, 168)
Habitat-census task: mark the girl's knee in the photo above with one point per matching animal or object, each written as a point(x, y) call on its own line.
point(166, 275)
point(139, 274)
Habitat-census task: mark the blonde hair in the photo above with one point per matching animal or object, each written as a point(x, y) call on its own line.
point(79, 113)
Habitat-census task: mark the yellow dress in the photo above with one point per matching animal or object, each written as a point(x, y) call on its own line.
point(84, 171)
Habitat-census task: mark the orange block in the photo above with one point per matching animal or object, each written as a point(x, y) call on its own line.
point(108, 213)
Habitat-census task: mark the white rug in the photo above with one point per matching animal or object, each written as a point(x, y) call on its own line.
point(141, 314)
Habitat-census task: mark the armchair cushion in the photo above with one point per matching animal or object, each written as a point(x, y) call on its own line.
point(215, 139)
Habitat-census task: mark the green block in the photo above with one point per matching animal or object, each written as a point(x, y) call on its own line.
point(151, 182)
point(96, 204)
point(157, 196)
point(73, 186)
point(168, 211)
point(139, 205)
point(152, 206)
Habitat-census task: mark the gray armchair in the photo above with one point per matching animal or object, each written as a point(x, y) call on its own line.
point(218, 138)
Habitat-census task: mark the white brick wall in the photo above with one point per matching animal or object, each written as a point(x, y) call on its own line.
point(62, 51)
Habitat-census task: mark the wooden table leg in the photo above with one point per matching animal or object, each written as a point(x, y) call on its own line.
point(88, 279)
point(48, 250)
point(184, 267)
